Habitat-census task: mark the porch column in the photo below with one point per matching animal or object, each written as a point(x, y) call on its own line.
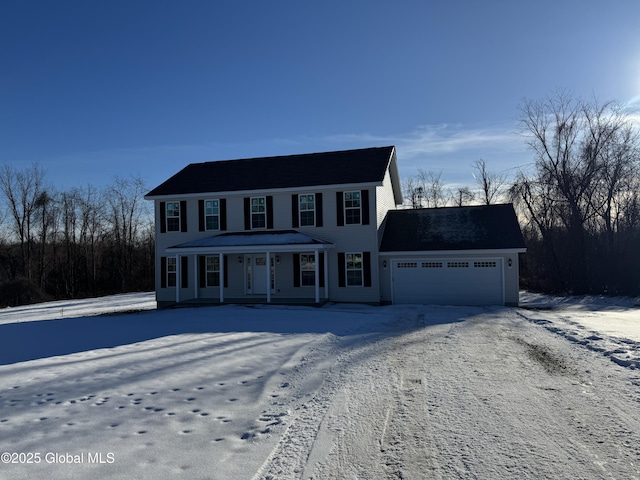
point(326, 275)
point(317, 272)
point(268, 277)
point(196, 265)
point(178, 277)
point(221, 260)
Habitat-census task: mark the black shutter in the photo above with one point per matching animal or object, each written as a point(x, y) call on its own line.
point(340, 208)
point(163, 217)
point(183, 216)
point(321, 269)
point(318, 209)
point(366, 268)
point(364, 198)
point(295, 220)
point(184, 271)
point(163, 272)
point(247, 213)
point(223, 214)
point(202, 271)
point(270, 212)
point(296, 269)
point(341, 270)
point(201, 215)
point(226, 271)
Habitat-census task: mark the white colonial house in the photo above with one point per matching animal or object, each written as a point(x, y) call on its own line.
point(323, 227)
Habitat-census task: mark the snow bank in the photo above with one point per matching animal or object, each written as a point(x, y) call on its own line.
point(609, 325)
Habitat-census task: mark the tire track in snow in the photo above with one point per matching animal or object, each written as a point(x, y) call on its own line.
point(463, 400)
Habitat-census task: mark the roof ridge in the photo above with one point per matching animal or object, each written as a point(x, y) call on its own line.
point(290, 155)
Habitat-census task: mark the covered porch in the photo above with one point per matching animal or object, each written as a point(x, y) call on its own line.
point(284, 267)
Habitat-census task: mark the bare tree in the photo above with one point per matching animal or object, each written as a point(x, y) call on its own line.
point(21, 190)
point(92, 215)
point(462, 196)
point(45, 209)
point(491, 185)
point(412, 192)
point(125, 212)
point(585, 156)
point(433, 188)
point(426, 189)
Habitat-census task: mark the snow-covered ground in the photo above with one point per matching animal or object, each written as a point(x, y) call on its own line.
point(551, 390)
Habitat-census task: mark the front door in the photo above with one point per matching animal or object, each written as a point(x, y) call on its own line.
point(257, 274)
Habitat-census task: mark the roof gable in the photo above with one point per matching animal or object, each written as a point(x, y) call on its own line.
point(313, 169)
point(452, 228)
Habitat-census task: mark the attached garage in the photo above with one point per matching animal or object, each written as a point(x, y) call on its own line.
point(442, 281)
point(451, 256)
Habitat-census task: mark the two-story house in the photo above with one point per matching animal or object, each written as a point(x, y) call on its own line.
point(317, 227)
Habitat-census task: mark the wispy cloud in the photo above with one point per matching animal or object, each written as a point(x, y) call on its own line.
point(449, 148)
point(446, 139)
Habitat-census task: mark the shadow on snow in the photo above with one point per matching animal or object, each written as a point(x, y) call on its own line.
point(38, 339)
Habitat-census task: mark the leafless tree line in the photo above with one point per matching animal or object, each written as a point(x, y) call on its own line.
point(581, 198)
point(64, 244)
point(427, 189)
point(578, 201)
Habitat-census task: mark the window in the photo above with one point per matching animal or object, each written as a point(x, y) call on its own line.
point(173, 216)
point(171, 272)
point(431, 264)
point(354, 269)
point(407, 265)
point(484, 264)
point(213, 271)
point(457, 264)
point(212, 214)
point(258, 212)
point(352, 208)
point(307, 210)
point(307, 270)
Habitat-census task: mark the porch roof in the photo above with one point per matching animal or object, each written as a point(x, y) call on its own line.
point(248, 242)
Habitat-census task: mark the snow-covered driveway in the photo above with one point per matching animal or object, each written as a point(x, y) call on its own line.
point(341, 392)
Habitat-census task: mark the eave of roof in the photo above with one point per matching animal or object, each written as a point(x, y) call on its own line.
point(440, 253)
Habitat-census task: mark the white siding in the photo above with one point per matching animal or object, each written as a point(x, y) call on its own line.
point(347, 238)
point(384, 199)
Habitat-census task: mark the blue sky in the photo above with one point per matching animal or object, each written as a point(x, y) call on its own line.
point(94, 89)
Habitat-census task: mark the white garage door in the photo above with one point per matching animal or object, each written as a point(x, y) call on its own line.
point(448, 282)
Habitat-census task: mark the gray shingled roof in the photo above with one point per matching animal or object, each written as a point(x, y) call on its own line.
point(312, 169)
point(452, 228)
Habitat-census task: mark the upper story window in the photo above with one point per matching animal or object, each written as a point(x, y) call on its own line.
point(307, 210)
point(173, 216)
point(258, 212)
point(352, 208)
point(212, 214)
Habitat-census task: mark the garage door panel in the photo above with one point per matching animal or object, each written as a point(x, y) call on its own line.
point(448, 282)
